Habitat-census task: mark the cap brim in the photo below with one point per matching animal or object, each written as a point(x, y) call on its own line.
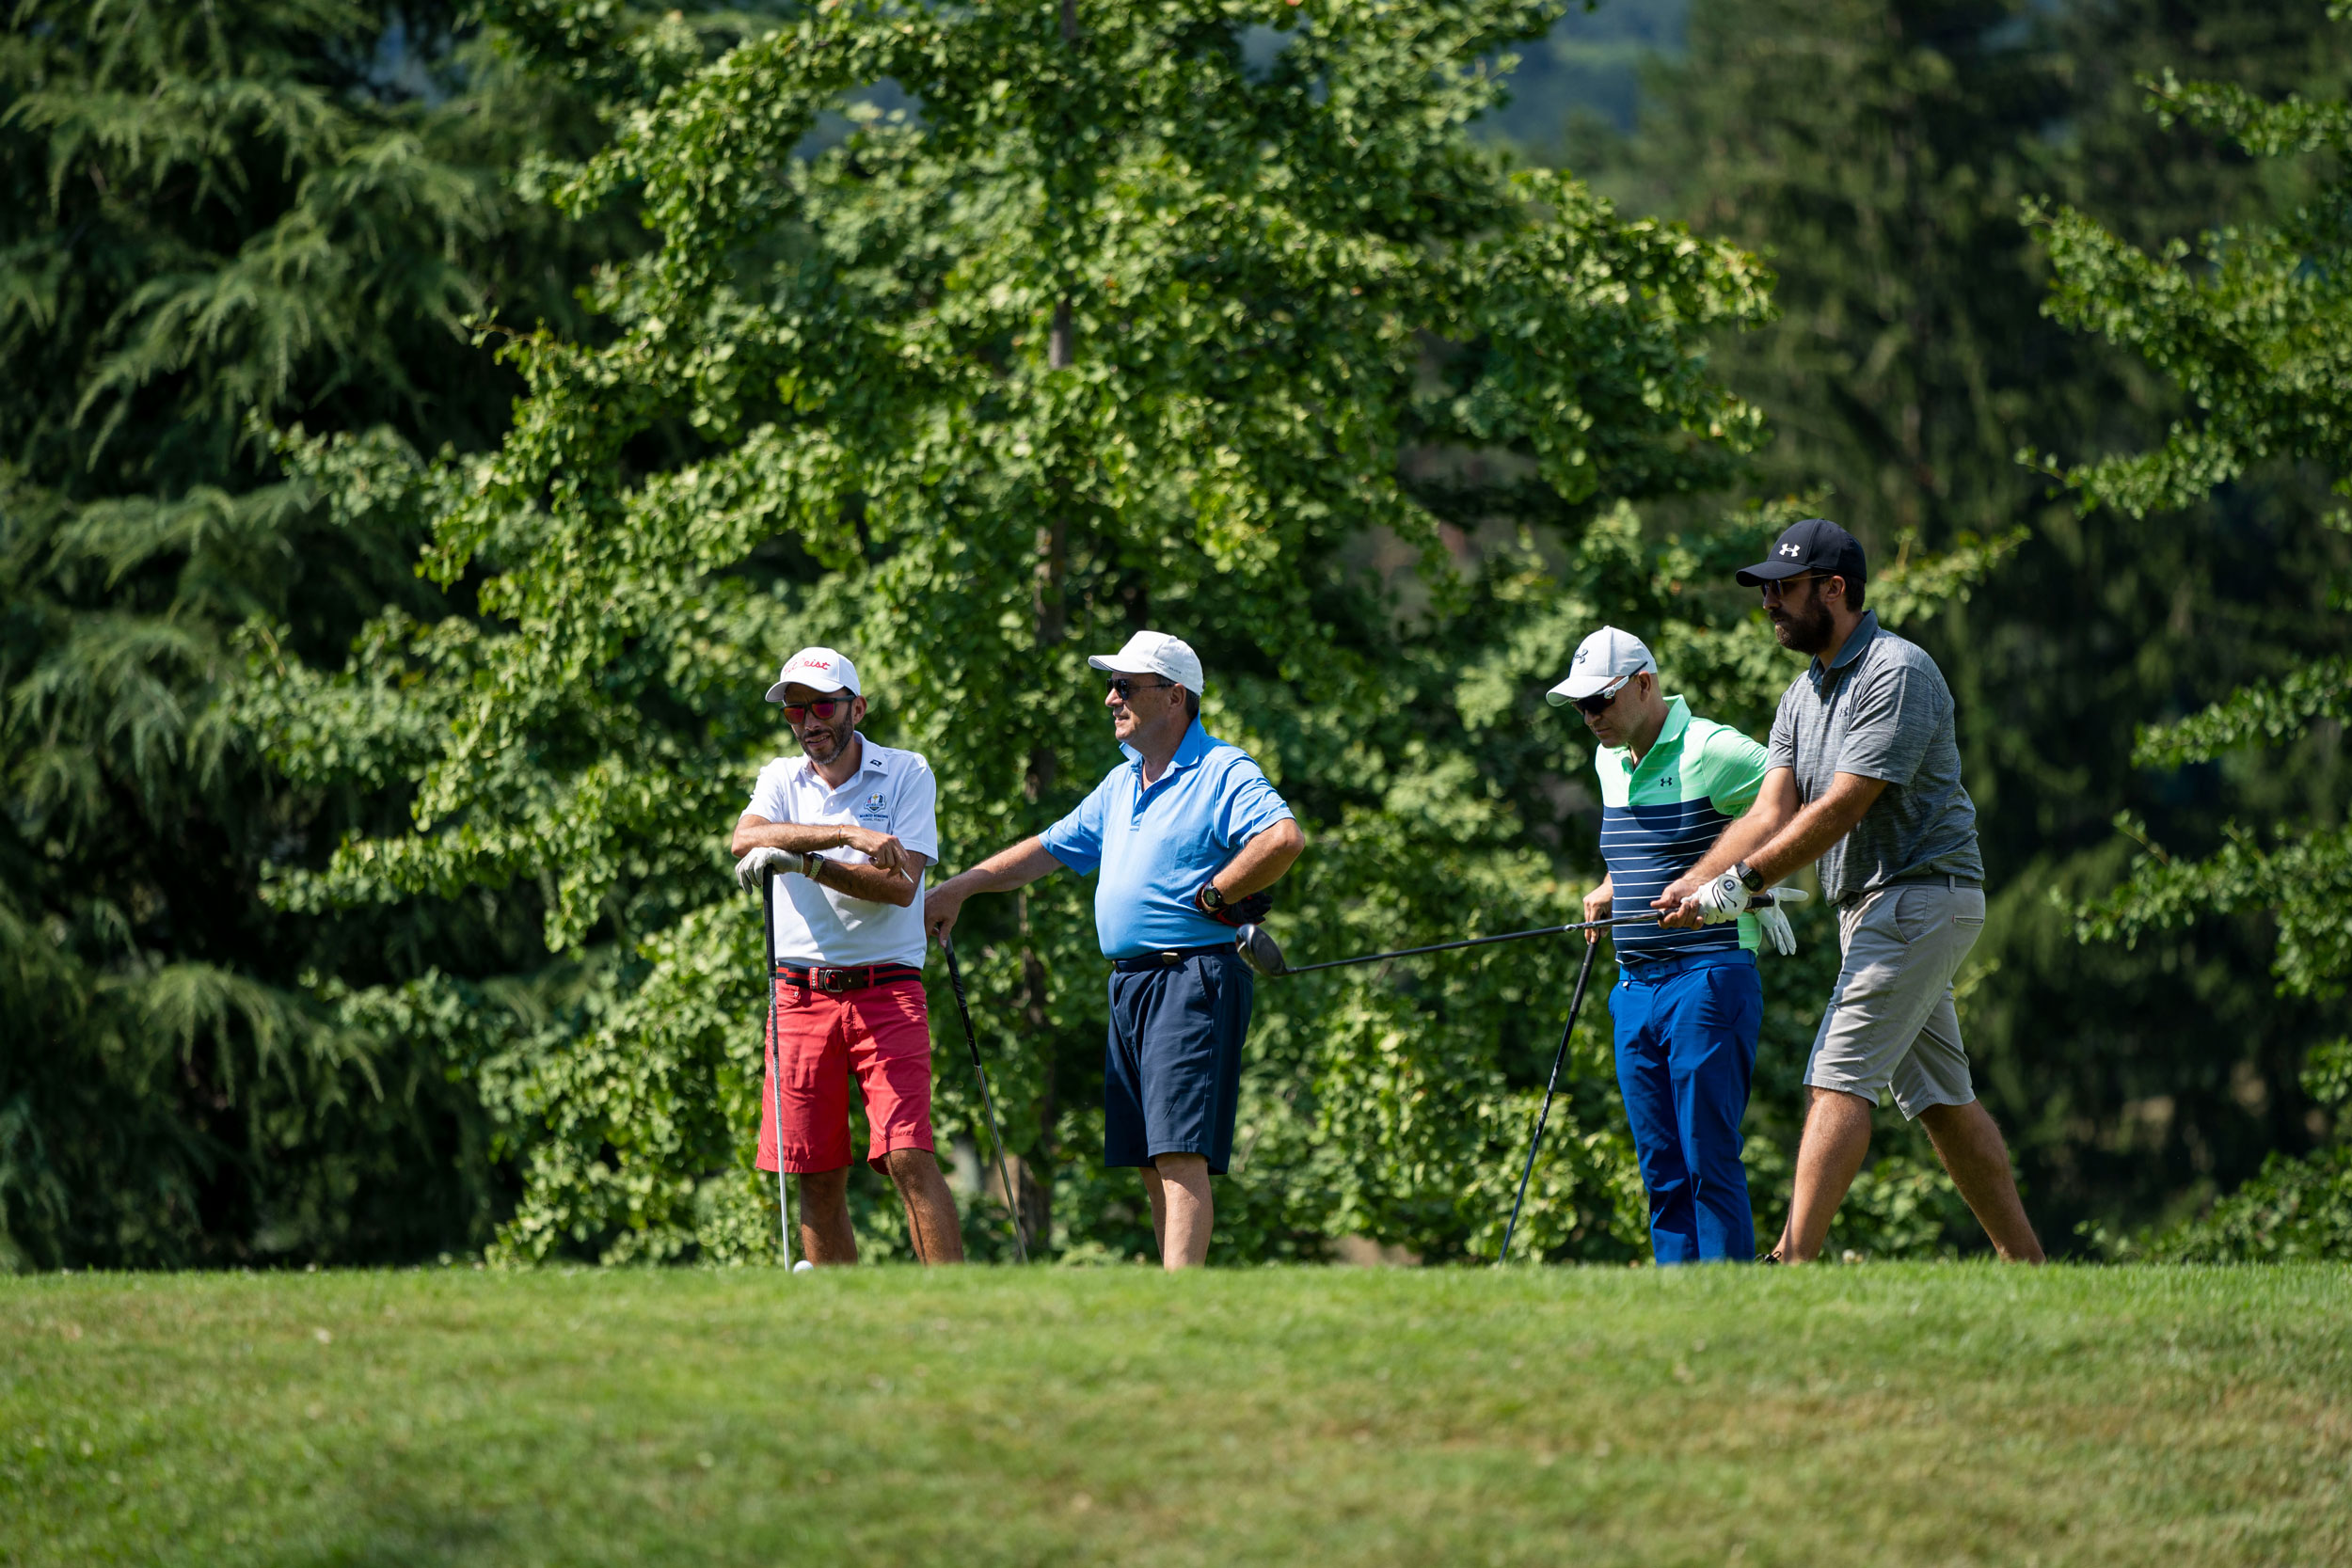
point(1577, 687)
point(1118, 666)
point(775, 693)
point(1769, 571)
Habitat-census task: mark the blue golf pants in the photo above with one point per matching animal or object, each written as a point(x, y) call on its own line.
point(1686, 1051)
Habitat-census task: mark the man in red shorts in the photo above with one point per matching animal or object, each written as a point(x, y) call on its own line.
point(849, 828)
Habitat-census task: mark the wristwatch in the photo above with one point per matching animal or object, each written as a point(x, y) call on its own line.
point(811, 864)
point(1748, 878)
point(1209, 899)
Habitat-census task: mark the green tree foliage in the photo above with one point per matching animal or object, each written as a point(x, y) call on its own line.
point(215, 216)
point(1877, 152)
point(1118, 329)
point(2254, 324)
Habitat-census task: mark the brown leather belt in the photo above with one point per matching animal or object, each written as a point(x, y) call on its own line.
point(834, 981)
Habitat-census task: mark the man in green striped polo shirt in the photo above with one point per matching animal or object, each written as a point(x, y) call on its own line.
point(1687, 1002)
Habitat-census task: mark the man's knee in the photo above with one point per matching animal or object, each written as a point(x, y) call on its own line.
point(824, 1186)
point(1187, 1170)
point(1967, 1113)
point(1842, 1103)
point(911, 1167)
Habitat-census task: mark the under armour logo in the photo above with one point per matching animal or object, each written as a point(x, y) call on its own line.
point(1789, 549)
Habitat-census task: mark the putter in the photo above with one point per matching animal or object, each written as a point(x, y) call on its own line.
point(1575, 1003)
point(988, 1103)
point(775, 1048)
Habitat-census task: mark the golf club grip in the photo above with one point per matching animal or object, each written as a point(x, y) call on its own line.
point(964, 1008)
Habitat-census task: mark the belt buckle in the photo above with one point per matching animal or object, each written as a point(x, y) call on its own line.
point(832, 982)
point(1168, 957)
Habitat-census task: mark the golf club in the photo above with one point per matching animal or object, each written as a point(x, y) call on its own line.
point(988, 1103)
point(1261, 953)
point(1575, 1004)
point(775, 1053)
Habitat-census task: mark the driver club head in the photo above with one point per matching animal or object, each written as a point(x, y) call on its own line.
point(1260, 952)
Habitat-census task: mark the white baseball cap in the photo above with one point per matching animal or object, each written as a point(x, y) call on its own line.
point(1155, 653)
point(1602, 659)
point(819, 670)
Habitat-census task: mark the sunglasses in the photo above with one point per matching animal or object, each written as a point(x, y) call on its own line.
point(1126, 689)
point(1598, 703)
point(826, 710)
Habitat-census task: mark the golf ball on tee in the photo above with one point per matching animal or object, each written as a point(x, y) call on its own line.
point(802, 1266)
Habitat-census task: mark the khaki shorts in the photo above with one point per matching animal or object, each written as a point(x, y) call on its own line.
point(1890, 1021)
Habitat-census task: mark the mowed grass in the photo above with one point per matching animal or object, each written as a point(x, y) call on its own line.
point(1873, 1415)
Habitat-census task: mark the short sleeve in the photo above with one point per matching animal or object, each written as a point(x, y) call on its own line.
point(1892, 720)
point(1735, 769)
point(915, 821)
point(1780, 749)
point(768, 800)
point(1076, 840)
point(1247, 805)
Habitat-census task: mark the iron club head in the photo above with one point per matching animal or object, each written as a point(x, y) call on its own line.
point(1260, 952)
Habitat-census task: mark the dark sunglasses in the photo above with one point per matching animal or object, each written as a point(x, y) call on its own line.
point(826, 710)
point(1127, 689)
point(1598, 703)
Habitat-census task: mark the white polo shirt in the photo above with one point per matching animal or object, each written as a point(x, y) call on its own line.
point(892, 792)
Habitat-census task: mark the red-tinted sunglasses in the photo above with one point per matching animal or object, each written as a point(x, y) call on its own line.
point(826, 710)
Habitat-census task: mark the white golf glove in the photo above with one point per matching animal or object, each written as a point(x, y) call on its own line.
point(752, 867)
point(1724, 898)
point(1773, 923)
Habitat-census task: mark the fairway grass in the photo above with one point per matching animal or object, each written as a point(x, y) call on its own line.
point(1886, 1414)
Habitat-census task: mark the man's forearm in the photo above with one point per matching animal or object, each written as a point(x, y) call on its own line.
point(1006, 869)
point(870, 882)
point(1742, 840)
point(1262, 860)
point(798, 838)
point(1815, 827)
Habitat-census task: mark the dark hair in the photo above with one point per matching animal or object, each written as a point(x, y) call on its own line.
point(1192, 703)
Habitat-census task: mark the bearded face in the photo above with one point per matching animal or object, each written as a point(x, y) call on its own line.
point(1802, 619)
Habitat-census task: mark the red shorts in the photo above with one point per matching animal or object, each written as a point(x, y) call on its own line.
point(882, 1036)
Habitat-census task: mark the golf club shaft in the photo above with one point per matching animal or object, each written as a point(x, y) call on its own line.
point(1474, 942)
point(1575, 1004)
point(775, 1055)
point(988, 1103)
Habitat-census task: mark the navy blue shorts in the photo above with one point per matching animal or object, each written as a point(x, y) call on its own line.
point(1171, 1074)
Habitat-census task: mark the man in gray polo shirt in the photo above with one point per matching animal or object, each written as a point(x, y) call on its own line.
point(1863, 775)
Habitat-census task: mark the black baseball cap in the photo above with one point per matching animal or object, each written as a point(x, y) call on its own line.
point(1816, 545)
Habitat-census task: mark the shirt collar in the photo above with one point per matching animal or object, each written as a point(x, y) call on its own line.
point(1865, 631)
point(1190, 749)
point(1678, 720)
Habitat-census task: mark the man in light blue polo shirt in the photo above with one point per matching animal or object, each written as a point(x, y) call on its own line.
point(1187, 833)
